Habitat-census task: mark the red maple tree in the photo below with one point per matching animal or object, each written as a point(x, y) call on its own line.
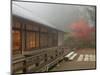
point(81, 30)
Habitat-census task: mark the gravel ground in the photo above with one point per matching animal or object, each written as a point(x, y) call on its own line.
point(77, 65)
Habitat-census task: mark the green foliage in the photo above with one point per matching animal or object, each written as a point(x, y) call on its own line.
point(72, 42)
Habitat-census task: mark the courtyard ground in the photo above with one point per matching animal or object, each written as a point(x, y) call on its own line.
point(85, 59)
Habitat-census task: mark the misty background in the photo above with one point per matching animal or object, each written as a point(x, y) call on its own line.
point(77, 21)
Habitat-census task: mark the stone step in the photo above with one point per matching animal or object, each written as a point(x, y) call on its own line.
point(73, 56)
point(86, 57)
point(80, 58)
point(69, 54)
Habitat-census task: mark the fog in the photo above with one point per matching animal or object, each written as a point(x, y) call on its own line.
point(59, 16)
